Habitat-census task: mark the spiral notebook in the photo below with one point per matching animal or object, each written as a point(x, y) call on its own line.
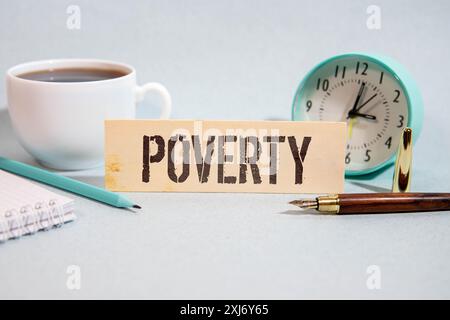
point(26, 207)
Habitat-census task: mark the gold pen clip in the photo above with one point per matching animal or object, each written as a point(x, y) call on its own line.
point(403, 164)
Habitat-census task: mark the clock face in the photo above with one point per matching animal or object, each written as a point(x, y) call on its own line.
point(367, 96)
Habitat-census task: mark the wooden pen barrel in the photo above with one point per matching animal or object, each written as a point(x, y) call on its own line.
point(392, 202)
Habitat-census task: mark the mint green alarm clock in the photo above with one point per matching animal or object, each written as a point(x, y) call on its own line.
point(375, 96)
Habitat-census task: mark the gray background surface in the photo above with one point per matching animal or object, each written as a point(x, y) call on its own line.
point(235, 60)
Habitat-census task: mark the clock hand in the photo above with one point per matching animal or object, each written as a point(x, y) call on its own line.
point(358, 97)
point(350, 127)
point(362, 105)
point(363, 115)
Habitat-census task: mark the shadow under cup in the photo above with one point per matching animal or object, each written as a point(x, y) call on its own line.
point(58, 108)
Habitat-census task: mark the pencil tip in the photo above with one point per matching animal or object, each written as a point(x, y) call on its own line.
point(137, 207)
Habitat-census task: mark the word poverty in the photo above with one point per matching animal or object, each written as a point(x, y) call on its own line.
point(203, 158)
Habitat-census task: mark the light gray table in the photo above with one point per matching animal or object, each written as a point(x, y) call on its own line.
point(235, 60)
point(228, 246)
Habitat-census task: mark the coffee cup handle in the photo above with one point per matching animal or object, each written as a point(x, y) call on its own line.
point(166, 108)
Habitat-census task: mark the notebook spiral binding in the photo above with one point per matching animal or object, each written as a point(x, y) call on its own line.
point(29, 219)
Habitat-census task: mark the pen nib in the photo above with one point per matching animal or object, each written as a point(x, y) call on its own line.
point(305, 204)
point(137, 207)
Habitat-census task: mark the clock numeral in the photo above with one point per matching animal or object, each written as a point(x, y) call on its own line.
point(325, 84)
point(347, 158)
point(308, 105)
point(336, 73)
point(388, 142)
point(397, 95)
point(365, 66)
point(381, 77)
point(401, 119)
point(367, 158)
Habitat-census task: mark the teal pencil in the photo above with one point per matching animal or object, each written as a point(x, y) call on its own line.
point(68, 184)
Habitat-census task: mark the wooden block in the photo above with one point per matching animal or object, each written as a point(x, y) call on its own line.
point(225, 156)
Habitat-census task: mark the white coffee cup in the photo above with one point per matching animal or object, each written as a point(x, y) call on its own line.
point(61, 124)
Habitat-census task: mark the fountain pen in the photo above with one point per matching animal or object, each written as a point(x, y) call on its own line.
point(361, 203)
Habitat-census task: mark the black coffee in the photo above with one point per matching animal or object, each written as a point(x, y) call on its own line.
point(72, 75)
